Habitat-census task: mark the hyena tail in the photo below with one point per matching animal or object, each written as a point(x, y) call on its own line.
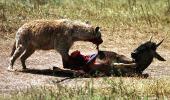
point(13, 48)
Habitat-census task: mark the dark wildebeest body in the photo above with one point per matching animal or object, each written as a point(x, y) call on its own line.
point(142, 57)
point(111, 63)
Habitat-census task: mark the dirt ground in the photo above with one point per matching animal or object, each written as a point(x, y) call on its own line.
point(40, 72)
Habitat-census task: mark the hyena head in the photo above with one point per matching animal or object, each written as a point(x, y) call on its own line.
point(144, 54)
point(86, 32)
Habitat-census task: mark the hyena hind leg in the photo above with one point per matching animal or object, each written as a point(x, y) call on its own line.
point(25, 55)
point(19, 50)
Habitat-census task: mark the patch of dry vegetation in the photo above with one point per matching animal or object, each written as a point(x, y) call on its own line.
point(109, 88)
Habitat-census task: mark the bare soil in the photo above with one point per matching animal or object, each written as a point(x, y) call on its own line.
point(40, 72)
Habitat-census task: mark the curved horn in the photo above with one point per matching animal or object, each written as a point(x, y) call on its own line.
point(151, 38)
point(159, 43)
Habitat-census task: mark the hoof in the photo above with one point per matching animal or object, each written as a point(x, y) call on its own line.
point(11, 69)
point(143, 75)
point(146, 75)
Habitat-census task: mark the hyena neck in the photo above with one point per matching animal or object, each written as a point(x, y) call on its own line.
point(76, 38)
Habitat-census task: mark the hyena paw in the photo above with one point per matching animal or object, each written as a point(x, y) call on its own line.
point(24, 69)
point(10, 69)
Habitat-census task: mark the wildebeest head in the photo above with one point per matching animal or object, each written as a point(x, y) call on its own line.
point(144, 54)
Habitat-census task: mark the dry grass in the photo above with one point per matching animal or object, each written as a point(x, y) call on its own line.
point(109, 88)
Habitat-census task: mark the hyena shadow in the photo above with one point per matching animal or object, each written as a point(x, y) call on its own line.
point(66, 73)
point(56, 71)
point(49, 72)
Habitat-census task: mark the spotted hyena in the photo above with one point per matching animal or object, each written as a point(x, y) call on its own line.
point(51, 34)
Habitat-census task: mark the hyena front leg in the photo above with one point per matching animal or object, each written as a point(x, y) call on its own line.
point(63, 48)
point(65, 56)
point(19, 50)
point(25, 55)
point(65, 59)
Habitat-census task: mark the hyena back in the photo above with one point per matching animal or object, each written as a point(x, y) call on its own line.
point(51, 34)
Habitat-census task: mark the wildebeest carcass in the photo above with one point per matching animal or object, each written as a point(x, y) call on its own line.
point(110, 63)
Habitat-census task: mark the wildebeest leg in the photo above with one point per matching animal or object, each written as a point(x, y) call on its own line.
point(19, 50)
point(25, 55)
point(124, 65)
point(103, 68)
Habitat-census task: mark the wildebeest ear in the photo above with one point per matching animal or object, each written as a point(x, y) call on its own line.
point(97, 29)
point(159, 57)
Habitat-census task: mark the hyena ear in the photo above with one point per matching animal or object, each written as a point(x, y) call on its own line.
point(97, 29)
point(88, 22)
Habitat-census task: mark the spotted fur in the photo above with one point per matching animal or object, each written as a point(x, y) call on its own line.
point(51, 34)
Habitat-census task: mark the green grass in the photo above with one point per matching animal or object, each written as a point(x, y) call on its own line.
point(113, 88)
point(108, 13)
point(136, 18)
